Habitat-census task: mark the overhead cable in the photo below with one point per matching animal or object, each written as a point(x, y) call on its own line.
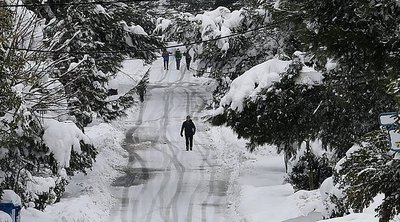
point(3, 5)
point(148, 49)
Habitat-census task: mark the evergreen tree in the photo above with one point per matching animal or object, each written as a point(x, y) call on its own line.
point(27, 90)
point(361, 38)
point(283, 115)
point(309, 169)
point(93, 41)
point(369, 170)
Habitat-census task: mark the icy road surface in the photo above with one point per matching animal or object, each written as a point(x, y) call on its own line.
point(163, 181)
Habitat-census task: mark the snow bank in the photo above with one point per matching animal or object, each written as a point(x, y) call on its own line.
point(356, 217)
point(88, 198)
point(229, 153)
point(9, 196)
point(259, 203)
point(4, 217)
point(33, 215)
point(266, 195)
point(61, 138)
point(257, 189)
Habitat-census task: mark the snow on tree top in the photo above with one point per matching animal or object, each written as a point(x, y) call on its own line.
point(4, 217)
point(251, 82)
point(260, 77)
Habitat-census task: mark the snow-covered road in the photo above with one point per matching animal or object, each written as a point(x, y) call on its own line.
point(163, 181)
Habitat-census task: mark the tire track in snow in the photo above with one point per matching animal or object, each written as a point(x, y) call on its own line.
point(210, 184)
point(164, 76)
point(180, 169)
point(205, 161)
point(205, 158)
point(182, 76)
point(125, 201)
point(189, 215)
point(166, 175)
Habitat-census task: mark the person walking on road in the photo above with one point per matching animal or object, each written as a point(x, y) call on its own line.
point(165, 55)
point(190, 130)
point(178, 57)
point(188, 60)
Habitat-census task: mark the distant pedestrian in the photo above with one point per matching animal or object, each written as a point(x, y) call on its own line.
point(178, 57)
point(165, 55)
point(188, 60)
point(141, 90)
point(190, 130)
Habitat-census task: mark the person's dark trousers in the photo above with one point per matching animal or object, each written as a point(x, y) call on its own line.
point(178, 64)
point(189, 142)
point(166, 64)
point(187, 64)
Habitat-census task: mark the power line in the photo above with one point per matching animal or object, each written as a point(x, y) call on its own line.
point(148, 49)
point(169, 12)
point(86, 3)
point(72, 3)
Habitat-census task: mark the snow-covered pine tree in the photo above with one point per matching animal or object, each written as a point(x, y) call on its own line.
point(28, 160)
point(285, 115)
point(92, 41)
point(356, 89)
point(369, 170)
point(310, 166)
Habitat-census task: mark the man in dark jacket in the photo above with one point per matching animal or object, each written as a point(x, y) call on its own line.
point(190, 130)
point(188, 59)
point(178, 57)
point(165, 55)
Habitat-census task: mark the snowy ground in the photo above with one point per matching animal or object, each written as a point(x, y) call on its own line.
point(258, 191)
point(257, 183)
point(143, 172)
point(163, 181)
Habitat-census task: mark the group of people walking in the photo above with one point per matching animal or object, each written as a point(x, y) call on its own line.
point(188, 126)
point(178, 57)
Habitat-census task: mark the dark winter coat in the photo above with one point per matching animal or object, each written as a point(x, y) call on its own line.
point(165, 55)
point(178, 55)
point(188, 57)
point(189, 127)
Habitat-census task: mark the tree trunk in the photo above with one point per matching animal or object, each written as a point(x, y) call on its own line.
point(310, 166)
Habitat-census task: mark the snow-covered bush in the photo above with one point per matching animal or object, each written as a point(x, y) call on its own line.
point(310, 166)
point(4, 217)
point(333, 199)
